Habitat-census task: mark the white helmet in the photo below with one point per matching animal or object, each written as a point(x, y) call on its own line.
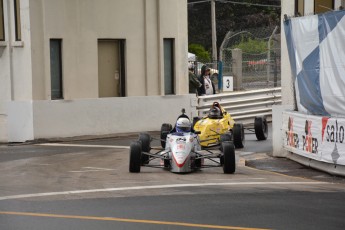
point(183, 125)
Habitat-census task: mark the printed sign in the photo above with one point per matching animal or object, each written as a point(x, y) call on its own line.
point(316, 137)
point(228, 83)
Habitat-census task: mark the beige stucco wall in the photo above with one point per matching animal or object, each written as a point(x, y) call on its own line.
point(143, 23)
point(25, 65)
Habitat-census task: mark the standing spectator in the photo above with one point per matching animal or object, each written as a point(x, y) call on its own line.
point(194, 83)
point(207, 86)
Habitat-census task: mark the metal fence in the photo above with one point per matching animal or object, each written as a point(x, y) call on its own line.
point(258, 69)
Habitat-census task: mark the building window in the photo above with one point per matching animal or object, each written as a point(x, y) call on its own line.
point(299, 7)
point(56, 69)
point(169, 73)
point(18, 29)
point(322, 6)
point(2, 27)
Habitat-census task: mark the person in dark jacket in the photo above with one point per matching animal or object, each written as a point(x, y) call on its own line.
point(194, 83)
point(207, 86)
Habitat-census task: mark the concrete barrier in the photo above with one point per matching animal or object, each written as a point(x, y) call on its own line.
point(30, 120)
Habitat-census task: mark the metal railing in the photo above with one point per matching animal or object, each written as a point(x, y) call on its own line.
point(243, 106)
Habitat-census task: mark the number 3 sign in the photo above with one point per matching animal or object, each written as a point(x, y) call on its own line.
point(228, 83)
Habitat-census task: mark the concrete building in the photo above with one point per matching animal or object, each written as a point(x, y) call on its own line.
point(79, 67)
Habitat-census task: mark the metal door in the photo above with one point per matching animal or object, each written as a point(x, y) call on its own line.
point(109, 68)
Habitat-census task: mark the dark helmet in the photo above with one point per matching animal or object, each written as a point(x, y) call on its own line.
point(214, 113)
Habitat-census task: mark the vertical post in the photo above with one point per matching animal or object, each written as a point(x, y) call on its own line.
point(214, 33)
point(269, 55)
point(220, 76)
point(275, 78)
point(237, 68)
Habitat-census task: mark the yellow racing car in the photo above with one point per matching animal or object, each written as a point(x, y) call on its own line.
point(219, 126)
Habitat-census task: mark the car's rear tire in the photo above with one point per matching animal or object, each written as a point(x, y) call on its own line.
point(165, 130)
point(135, 157)
point(261, 128)
point(238, 135)
point(145, 140)
point(229, 161)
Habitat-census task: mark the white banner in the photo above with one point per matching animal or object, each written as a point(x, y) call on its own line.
point(315, 137)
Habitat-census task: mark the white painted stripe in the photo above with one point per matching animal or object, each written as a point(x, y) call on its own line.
point(91, 170)
point(154, 187)
point(97, 168)
point(84, 146)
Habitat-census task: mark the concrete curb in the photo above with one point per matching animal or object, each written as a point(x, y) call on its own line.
point(338, 170)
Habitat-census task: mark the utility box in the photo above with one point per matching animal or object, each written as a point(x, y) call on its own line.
point(228, 83)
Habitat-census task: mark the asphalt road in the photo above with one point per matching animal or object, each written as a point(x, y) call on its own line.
point(85, 184)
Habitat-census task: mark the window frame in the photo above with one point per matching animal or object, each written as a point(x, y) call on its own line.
point(325, 10)
point(172, 64)
point(17, 20)
point(2, 18)
point(61, 94)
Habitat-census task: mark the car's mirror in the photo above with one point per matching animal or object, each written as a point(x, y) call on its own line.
point(197, 132)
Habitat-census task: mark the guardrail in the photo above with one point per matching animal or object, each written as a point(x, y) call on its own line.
point(244, 105)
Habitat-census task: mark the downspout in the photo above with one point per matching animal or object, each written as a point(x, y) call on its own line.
point(9, 23)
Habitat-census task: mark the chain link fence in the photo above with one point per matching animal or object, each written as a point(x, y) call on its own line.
point(259, 52)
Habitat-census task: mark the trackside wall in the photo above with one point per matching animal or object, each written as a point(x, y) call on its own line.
point(48, 119)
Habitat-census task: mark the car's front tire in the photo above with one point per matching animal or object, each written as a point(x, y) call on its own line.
point(229, 161)
point(135, 157)
point(145, 140)
point(238, 135)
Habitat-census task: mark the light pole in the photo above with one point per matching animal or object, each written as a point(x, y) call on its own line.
point(214, 32)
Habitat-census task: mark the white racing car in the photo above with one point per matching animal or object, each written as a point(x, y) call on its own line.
point(182, 153)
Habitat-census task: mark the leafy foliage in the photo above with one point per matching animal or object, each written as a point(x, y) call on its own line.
point(252, 46)
point(200, 52)
point(229, 17)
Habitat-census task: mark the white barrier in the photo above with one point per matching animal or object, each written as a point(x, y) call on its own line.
point(244, 105)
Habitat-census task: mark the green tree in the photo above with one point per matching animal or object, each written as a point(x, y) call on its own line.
point(252, 46)
point(200, 52)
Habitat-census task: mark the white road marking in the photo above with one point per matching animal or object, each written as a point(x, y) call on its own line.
point(154, 187)
point(97, 168)
point(92, 169)
point(85, 146)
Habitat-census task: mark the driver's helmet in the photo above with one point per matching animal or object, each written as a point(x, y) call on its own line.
point(214, 113)
point(183, 125)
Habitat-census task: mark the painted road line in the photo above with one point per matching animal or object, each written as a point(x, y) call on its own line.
point(183, 224)
point(84, 146)
point(155, 187)
point(92, 169)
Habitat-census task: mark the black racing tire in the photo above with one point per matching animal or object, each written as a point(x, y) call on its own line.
point(197, 163)
point(166, 163)
point(261, 128)
point(145, 140)
point(238, 135)
point(165, 130)
point(135, 157)
point(229, 160)
point(224, 137)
